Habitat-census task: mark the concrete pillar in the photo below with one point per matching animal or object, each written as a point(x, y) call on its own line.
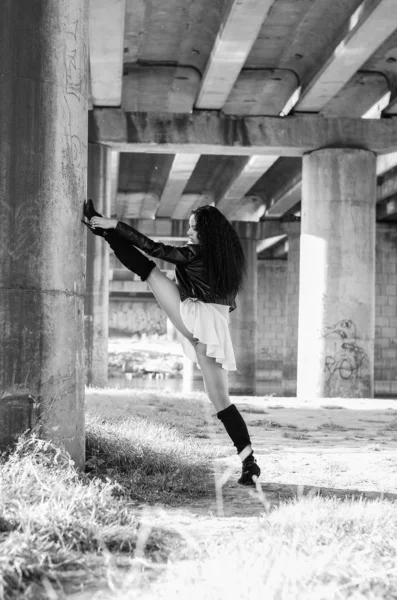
point(43, 162)
point(243, 321)
point(290, 351)
point(96, 300)
point(272, 279)
point(337, 274)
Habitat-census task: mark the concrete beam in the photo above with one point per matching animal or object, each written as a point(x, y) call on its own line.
point(270, 242)
point(182, 168)
point(387, 185)
point(386, 162)
point(253, 170)
point(387, 209)
point(290, 194)
point(135, 205)
point(214, 133)
point(391, 108)
point(360, 97)
point(261, 92)
point(189, 202)
point(250, 208)
point(237, 34)
point(286, 199)
point(106, 40)
point(280, 250)
point(370, 25)
point(160, 88)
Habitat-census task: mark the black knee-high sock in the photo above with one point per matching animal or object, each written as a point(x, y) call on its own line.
point(235, 427)
point(129, 256)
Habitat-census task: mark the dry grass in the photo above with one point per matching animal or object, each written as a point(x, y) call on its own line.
point(151, 461)
point(310, 548)
point(57, 528)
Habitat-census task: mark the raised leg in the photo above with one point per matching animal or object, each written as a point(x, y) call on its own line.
point(167, 295)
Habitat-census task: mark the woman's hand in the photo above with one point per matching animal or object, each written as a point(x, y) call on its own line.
point(103, 223)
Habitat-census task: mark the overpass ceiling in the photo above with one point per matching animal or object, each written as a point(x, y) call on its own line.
point(244, 58)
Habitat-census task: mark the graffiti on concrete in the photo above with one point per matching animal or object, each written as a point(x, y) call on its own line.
point(75, 59)
point(23, 221)
point(348, 364)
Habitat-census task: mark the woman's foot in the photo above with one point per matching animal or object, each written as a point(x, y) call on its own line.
point(89, 212)
point(250, 471)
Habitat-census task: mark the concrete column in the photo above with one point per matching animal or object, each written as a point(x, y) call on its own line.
point(290, 352)
point(337, 274)
point(243, 321)
point(43, 163)
point(96, 301)
point(272, 276)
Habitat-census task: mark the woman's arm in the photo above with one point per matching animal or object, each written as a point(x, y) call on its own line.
point(178, 255)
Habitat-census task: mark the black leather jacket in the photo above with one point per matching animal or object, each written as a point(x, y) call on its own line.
point(191, 274)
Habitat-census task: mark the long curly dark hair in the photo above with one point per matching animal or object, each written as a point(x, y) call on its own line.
point(222, 251)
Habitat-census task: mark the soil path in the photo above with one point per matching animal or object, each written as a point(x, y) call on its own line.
point(344, 448)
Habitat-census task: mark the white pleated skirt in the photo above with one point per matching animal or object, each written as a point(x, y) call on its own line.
point(209, 323)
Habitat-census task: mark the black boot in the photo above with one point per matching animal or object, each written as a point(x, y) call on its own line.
point(250, 471)
point(238, 433)
point(89, 212)
point(129, 256)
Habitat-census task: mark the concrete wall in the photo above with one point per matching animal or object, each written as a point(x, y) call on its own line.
point(386, 310)
point(128, 317)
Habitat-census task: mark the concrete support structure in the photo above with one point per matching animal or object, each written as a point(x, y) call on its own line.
point(96, 300)
point(290, 353)
point(243, 321)
point(337, 274)
point(43, 132)
point(271, 323)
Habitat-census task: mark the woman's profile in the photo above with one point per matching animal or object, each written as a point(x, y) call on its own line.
point(209, 272)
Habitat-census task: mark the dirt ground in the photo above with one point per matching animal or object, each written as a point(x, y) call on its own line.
point(343, 447)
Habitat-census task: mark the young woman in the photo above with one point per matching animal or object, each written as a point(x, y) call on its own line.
point(209, 273)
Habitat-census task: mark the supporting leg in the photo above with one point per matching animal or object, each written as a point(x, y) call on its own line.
point(216, 385)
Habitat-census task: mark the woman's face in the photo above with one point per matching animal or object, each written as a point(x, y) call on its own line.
point(191, 232)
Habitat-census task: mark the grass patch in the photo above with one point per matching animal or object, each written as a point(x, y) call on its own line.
point(295, 435)
point(391, 426)
point(308, 548)
point(333, 427)
point(181, 411)
point(58, 528)
point(152, 462)
point(254, 410)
